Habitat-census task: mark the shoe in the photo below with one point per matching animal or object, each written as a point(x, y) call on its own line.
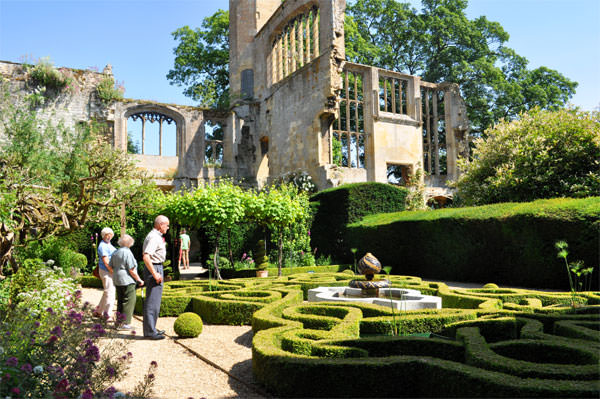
point(156, 337)
point(160, 332)
point(125, 327)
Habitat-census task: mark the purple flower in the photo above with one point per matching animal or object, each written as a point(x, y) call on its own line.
point(110, 371)
point(153, 363)
point(309, 232)
point(92, 353)
point(50, 310)
point(52, 339)
point(87, 394)
point(16, 391)
point(36, 324)
point(150, 376)
point(27, 368)
point(61, 386)
point(78, 294)
point(120, 317)
point(57, 331)
point(129, 354)
point(12, 361)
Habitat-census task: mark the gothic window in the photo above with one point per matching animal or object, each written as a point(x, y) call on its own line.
point(348, 141)
point(296, 46)
point(152, 133)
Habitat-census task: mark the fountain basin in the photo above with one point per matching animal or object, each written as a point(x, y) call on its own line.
point(402, 298)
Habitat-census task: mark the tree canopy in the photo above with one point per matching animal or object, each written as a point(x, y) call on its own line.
point(438, 43)
point(202, 61)
point(543, 154)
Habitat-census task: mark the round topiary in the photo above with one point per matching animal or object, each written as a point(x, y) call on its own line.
point(490, 286)
point(188, 325)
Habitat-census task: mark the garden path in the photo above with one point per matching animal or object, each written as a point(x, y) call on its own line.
point(181, 371)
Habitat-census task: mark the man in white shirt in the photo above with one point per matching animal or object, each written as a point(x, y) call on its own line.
point(154, 254)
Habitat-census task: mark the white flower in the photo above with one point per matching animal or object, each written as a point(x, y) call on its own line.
point(1, 350)
point(38, 370)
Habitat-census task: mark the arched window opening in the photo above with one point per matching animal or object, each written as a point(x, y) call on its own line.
point(296, 45)
point(152, 133)
point(213, 144)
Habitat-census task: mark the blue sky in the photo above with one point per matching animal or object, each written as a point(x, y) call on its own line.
point(135, 37)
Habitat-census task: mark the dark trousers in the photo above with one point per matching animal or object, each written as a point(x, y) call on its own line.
point(126, 301)
point(152, 301)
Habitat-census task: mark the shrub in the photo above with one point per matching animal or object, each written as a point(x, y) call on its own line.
point(108, 90)
point(188, 325)
point(544, 154)
point(45, 74)
point(510, 243)
point(334, 208)
point(72, 261)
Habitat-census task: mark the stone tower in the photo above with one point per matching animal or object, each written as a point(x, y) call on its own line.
point(246, 17)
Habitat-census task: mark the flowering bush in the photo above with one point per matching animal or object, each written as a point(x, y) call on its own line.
point(56, 353)
point(46, 75)
point(109, 90)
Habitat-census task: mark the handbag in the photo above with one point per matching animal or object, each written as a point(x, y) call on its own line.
point(96, 271)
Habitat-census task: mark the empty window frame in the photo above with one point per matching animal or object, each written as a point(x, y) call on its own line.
point(348, 139)
point(213, 143)
point(148, 134)
point(392, 94)
point(296, 46)
point(434, 132)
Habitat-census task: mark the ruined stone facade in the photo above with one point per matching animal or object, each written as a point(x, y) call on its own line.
point(297, 106)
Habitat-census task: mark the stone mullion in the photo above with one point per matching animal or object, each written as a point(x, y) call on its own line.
point(348, 140)
point(316, 34)
point(300, 41)
point(428, 129)
point(393, 87)
point(293, 47)
point(285, 54)
point(160, 125)
point(143, 133)
point(436, 138)
point(279, 61)
point(400, 95)
point(306, 35)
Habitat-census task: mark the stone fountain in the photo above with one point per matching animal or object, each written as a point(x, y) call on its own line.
point(371, 290)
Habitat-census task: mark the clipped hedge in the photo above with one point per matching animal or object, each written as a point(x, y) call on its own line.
point(335, 207)
point(511, 244)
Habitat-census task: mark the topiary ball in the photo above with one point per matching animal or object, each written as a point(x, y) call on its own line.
point(490, 286)
point(188, 325)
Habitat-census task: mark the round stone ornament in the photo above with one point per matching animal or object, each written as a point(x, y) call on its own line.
point(369, 264)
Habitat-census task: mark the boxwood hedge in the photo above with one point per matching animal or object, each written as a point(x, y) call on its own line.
point(489, 342)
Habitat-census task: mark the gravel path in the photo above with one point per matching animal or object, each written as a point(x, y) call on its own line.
point(183, 374)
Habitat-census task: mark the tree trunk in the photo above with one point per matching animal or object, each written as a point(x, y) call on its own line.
point(229, 247)
point(280, 255)
point(6, 245)
point(215, 259)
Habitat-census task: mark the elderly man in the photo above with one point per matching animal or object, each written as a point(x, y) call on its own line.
point(154, 254)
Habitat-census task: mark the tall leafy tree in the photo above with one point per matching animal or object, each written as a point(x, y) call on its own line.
point(202, 61)
point(439, 43)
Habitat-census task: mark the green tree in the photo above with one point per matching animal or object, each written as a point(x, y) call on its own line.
point(440, 43)
point(54, 179)
point(219, 205)
point(202, 61)
point(543, 154)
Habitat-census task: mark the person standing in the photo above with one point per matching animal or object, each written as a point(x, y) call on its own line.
point(125, 277)
point(154, 254)
point(185, 249)
point(105, 251)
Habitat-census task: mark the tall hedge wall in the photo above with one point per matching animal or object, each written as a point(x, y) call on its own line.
point(334, 208)
point(510, 244)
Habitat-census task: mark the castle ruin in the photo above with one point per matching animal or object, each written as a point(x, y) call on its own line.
point(297, 106)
